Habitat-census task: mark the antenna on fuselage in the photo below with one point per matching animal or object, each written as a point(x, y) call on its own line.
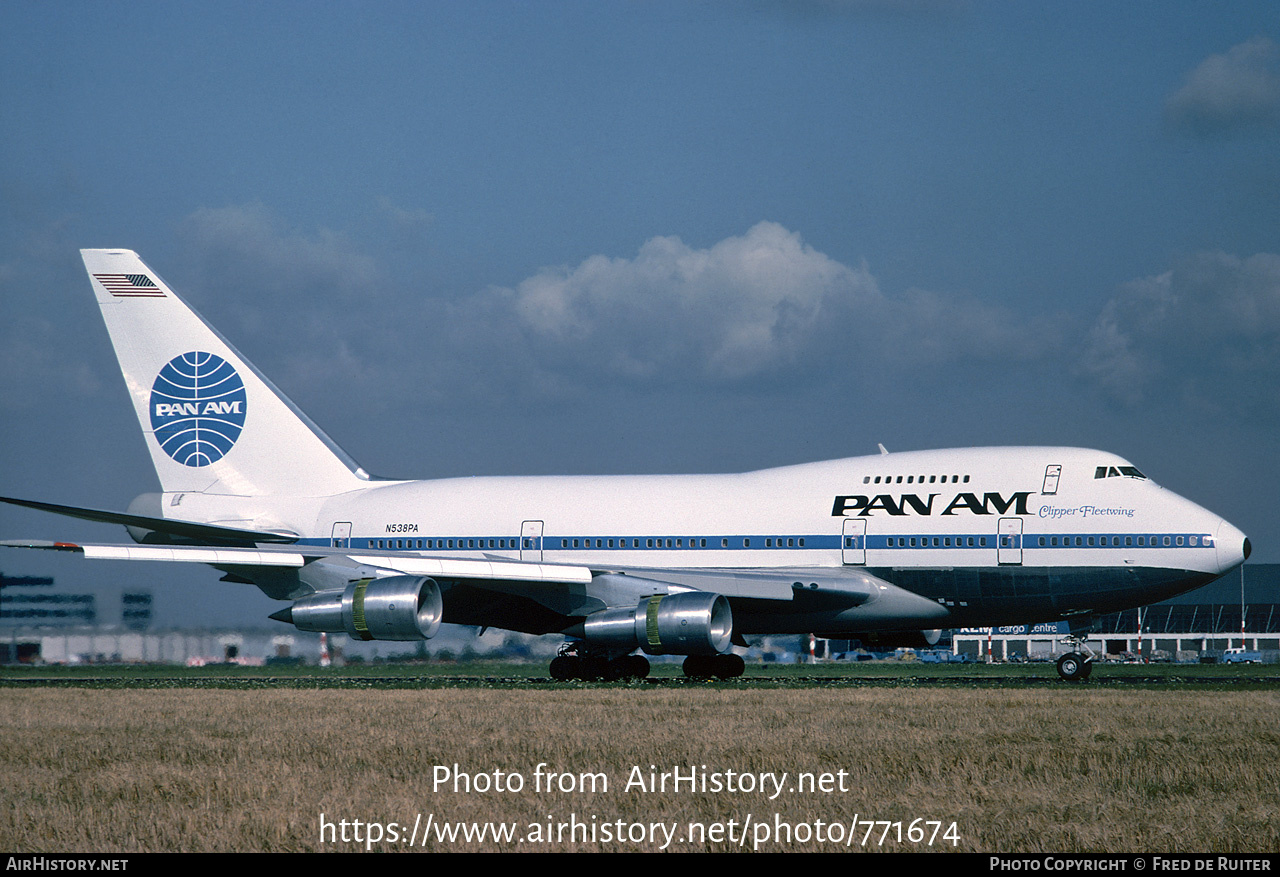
point(883, 449)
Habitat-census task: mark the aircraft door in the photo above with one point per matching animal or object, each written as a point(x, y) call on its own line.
point(531, 540)
point(341, 535)
point(854, 544)
point(1009, 541)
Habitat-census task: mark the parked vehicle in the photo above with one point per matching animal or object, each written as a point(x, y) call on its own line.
point(1241, 655)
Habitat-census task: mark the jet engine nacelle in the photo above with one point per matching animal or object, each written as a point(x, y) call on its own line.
point(689, 623)
point(402, 608)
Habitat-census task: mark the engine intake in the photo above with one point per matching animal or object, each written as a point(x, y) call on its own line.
point(401, 608)
point(689, 623)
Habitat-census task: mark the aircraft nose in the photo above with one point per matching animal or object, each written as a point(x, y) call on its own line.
point(1233, 547)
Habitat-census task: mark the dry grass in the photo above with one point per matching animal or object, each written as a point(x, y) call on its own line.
point(1021, 771)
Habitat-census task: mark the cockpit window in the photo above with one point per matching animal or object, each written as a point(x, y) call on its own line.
point(1118, 472)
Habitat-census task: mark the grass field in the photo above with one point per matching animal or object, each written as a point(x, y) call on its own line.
point(1023, 769)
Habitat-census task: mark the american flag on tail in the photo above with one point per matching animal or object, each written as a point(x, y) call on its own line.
point(129, 285)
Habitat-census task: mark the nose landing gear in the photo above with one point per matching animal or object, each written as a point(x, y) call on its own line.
point(1075, 667)
point(1077, 663)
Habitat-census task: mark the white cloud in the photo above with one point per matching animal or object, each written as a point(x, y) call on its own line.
point(1207, 331)
point(1231, 91)
point(760, 308)
point(745, 306)
point(761, 305)
point(246, 243)
point(312, 300)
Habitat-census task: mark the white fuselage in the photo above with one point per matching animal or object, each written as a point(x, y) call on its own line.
point(896, 508)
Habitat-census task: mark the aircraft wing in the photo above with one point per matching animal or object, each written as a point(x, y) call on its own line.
point(290, 556)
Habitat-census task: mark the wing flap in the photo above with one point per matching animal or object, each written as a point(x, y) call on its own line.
point(510, 570)
point(214, 556)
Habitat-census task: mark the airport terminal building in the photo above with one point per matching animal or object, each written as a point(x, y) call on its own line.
point(1240, 609)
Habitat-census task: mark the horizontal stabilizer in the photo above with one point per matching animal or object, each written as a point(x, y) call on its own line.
point(183, 529)
point(266, 556)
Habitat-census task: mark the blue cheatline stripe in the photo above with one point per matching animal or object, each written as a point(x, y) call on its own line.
point(908, 541)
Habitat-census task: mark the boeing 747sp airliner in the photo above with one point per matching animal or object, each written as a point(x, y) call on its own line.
point(901, 544)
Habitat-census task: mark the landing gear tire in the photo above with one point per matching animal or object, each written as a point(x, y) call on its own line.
point(697, 667)
point(563, 668)
point(728, 666)
point(632, 667)
point(595, 668)
point(1074, 667)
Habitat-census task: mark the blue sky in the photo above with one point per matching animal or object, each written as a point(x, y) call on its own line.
point(500, 238)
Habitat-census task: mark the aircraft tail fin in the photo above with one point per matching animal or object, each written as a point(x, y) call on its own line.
point(213, 423)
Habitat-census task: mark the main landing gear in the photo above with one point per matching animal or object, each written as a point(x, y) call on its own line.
point(728, 666)
point(577, 660)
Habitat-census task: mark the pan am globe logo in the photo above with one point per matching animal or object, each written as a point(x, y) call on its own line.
point(197, 408)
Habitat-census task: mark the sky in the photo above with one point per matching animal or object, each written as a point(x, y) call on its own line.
point(614, 237)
